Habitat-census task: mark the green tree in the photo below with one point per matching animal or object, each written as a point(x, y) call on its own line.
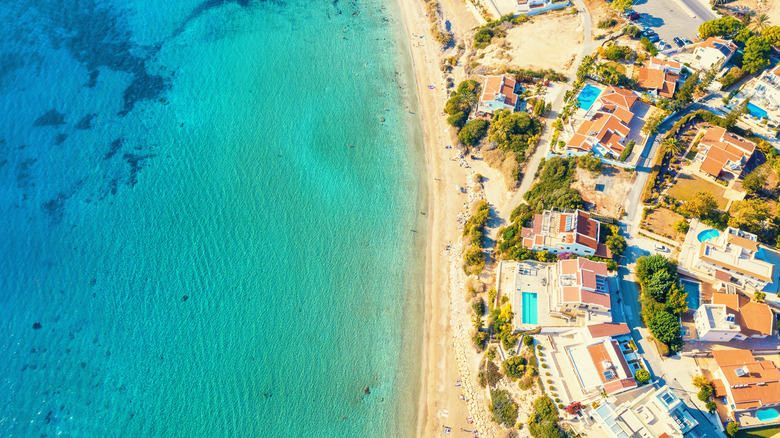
point(618, 53)
point(732, 428)
point(622, 5)
point(759, 296)
point(760, 22)
point(514, 367)
point(711, 406)
point(756, 54)
point(473, 132)
point(681, 226)
point(632, 31)
point(543, 421)
point(666, 328)
point(489, 374)
point(673, 145)
point(704, 393)
point(677, 300)
point(652, 122)
point(685, 92)
point(659, 284)
point(700, 205)
point(646, 266)
point(748, 215)
point(504, 409)
point(726, 27)
point(514, 131)
point(754, 181)
point(642, 376)
point(458, 119)
point(772, 34)
point(617, 244)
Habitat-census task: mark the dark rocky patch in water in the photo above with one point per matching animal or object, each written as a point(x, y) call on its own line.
point(60, 139)
point(37, 326)
point(114, 148)
point(51, 118)
point(143, 87)
point(136, 163)
point(204, 7)
point(23, 174)
point(93, 75)
point(55, 208)
point(85, 122)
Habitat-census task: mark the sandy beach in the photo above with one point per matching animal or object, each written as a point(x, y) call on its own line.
point(444, 398)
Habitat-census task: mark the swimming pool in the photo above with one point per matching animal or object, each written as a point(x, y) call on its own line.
point(756, 111)
point(708, 234)
point(767, 415)
point(587, 96)
point(529, 308)
point(694, 296)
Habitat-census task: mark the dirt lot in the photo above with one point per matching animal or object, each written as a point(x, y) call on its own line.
point(769, 7)
point(600, 10)
point(550, 40)
point(661, 221)
point(614, 184)
point(687, 185)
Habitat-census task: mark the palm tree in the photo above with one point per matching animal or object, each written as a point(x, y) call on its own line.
point(673, 145)
point(760, 23)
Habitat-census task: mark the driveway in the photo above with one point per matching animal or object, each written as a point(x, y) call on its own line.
point(669, 20)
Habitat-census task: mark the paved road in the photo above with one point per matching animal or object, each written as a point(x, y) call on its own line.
point(670, 20)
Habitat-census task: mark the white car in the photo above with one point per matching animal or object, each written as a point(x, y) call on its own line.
point(661, 248)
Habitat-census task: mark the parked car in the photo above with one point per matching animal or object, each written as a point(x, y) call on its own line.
point(646, 31)
point(654, 38)
point(686, 41)
point(661, 248)
point(678, 41)
point(662, 45)
point(634, 16)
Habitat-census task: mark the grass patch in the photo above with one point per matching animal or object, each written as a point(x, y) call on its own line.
point(761, 432)
point(687, 185)
point(620, 68)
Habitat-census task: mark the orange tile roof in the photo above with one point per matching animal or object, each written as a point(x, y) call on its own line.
point(748, 244)
point(752, 383)
point(500, 84)
point(619, 96)
point(619, 385)
point(608, 329)
point(724, 146)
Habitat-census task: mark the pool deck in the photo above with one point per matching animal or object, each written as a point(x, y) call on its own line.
point(748, 418)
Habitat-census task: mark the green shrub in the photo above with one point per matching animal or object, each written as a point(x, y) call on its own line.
point(705, 393)
point(711, 406)
point(649, 46)
point(632, 31)
point(528, 340)
point(479, 307)
point(607, 23)
point(642, 376)
point(504, 409)
point(514, 367)
point(732, 428)
point(458, 119)
point(627, 151)
point(473, 131)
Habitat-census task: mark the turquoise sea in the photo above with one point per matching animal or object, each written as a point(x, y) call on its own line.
point(210, 219)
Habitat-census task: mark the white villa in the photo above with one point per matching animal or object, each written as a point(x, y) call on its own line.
point(733, 258)
point(712, 51)
point(733, 316)
point(561, 232)
point(764, 92)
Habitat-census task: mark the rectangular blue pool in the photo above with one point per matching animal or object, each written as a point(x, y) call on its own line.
point(756, 111)
point(529, 308)
point(587, 96)
point(694, 296)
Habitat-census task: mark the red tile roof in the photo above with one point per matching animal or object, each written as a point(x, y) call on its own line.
point(500, 84)
point(723, 147)
point(753, 318)
point(608, 329)
point(752, 383)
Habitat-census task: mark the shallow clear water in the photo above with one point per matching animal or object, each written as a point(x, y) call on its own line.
point(208, 219)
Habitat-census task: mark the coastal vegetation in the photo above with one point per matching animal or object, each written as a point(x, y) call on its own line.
point(553, 188)
point(474, 257)
point(514, 132)
point(543, 421)
point(662, 299)
point(503, 408)
point(460, 103)
point(473, 132)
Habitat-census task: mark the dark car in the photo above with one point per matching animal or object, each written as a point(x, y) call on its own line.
point(654, 38)
point(678, 41)
point(634, 16)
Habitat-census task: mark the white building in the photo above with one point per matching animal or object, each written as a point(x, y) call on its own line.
point(764, 92)
point(733, 316)
point(647, 412)
point(712, 51)
point(734, 258)
point(559, 232)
